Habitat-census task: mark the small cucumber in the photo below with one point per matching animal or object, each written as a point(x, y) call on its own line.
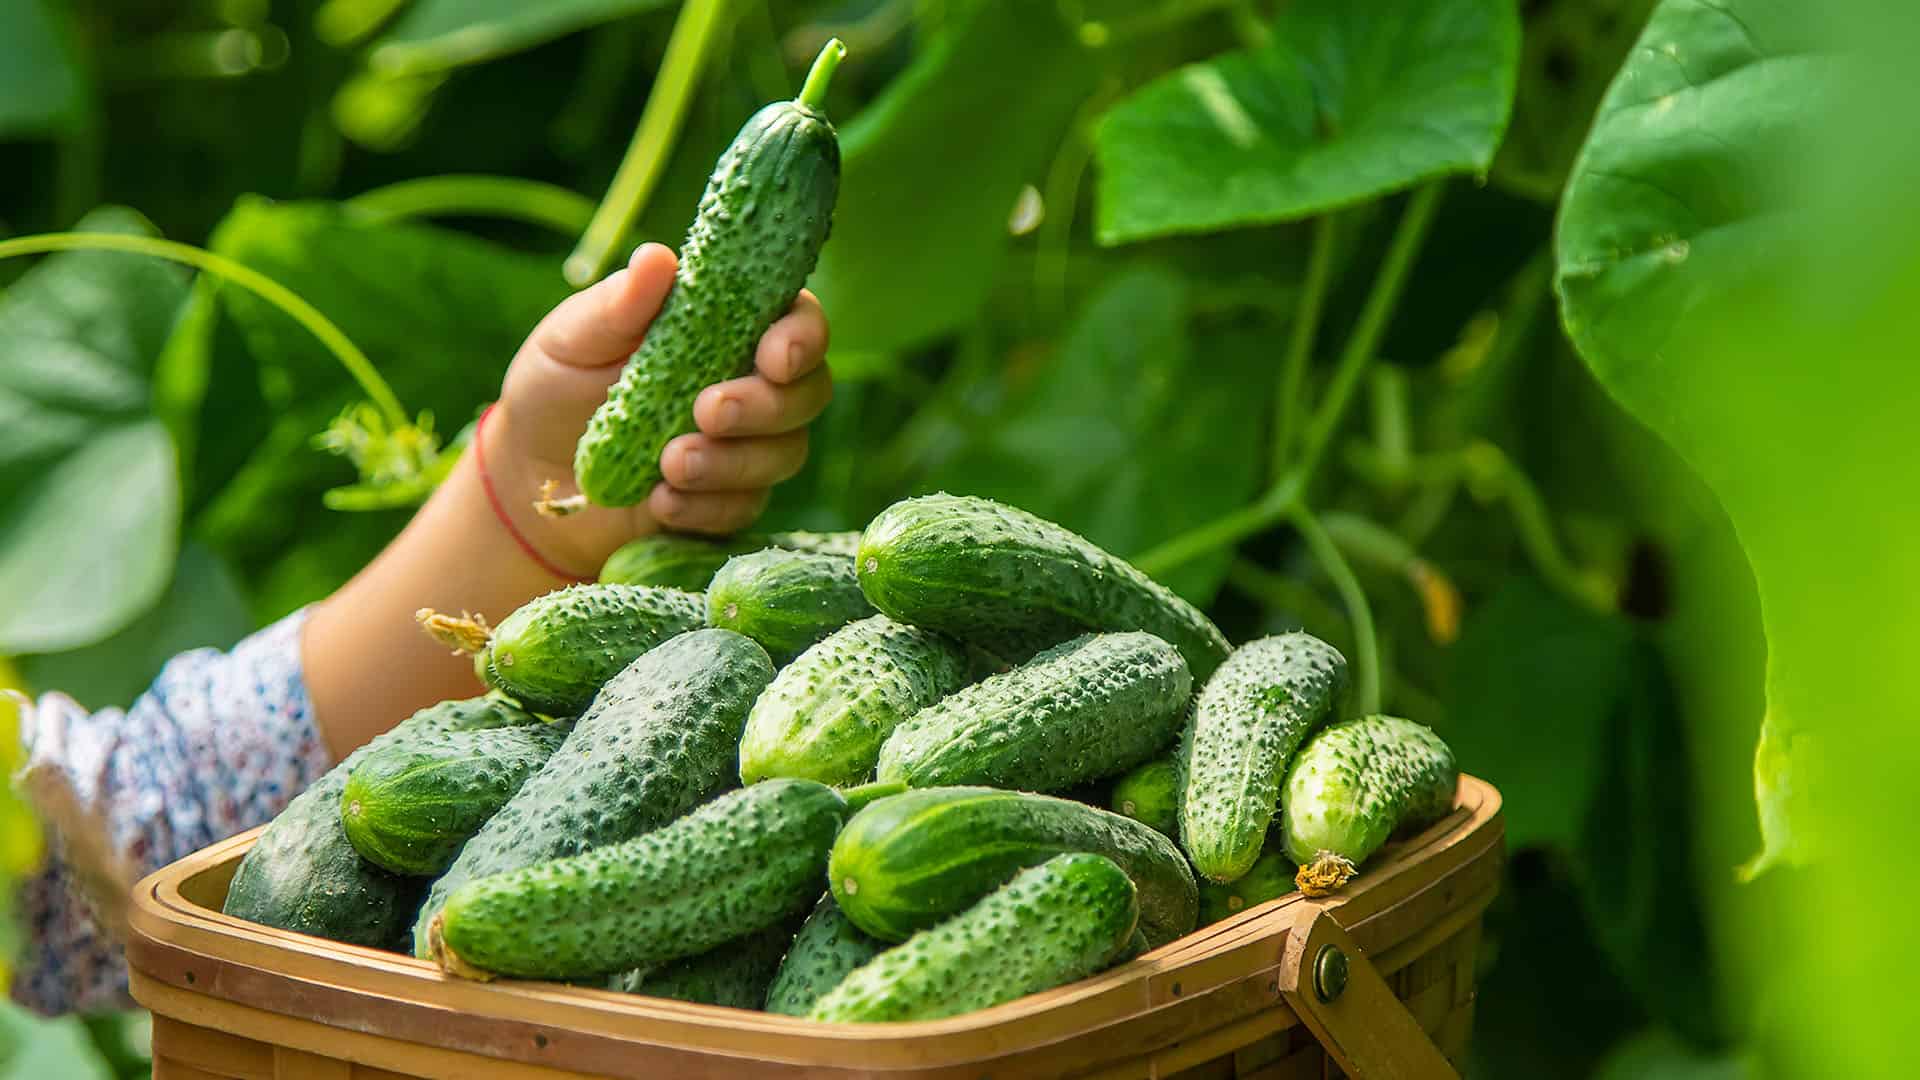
point(1084, 709)
point(554, 652)
point(1271, 876)
point(734, 974)
point(409, 808)
point(1052, 924)
point(675, 561)
point(1352, 786)
point(1013, 583)
point(785, 600)
point(825, 950)
point(906, 862)
point(1248, 720)
point(1151, 794)
point(657, 741)
point(827, 713)
point(304, 875)
point(754, 240)
point(744, 862)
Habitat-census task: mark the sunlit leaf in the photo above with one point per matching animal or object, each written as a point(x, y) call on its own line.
point(1347, 102)
point(435, 35)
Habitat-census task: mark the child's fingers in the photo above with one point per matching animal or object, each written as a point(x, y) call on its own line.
point(796, 343)
point(702, 463)
point(714, 512)
point(602, 325)
point(755, 406)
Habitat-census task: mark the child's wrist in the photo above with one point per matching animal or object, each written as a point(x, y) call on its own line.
point(506, 476)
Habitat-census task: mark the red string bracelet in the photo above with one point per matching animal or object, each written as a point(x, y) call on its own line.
point(500, 511)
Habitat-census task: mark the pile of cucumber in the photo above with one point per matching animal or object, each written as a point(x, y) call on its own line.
point(990, 759)
point(960, 757)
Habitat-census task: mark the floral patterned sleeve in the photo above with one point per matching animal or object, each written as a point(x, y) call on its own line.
point(218, 744)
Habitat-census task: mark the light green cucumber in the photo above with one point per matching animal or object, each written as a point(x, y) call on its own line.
point(734, 974)
point(1352, 786)
point(785, 600)
point(677, 561)
point(1271, 876)
point(825, 950)
point(1151, 794)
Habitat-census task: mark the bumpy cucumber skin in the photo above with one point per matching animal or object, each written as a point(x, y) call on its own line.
point(743, 862)
point(754, 240)
point(1151, 794)
point(1014, 583)
point(1354, 784)
point(827, 948)
point(734, 974)
point(673, 561)
point(409, 808)
point(304, 875)
point(658, 740)
point(1084, 709)
point(786, 600)
point(827, 713)
point(1248, 720)
point(556, 651)
point(1052, 924)
point(1271, 876)
point(820, 543)
point(906, 862)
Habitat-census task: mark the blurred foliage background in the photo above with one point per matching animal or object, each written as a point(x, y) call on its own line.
point(1265, 294)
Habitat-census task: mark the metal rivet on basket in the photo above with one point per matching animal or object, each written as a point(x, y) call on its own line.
point(1329, 973)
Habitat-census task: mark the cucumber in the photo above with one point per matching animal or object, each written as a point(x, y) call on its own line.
point(1014, 583)
point(1352, 786)
point(657, 741)
point(1052, 924)
point(734, 974)
point(745, 861)
point(555, 651)
point(1151, 794)
point(1084, 709)
point(906, 862)
point(1271, 876)
point(820, 543)
point(753, 242)
point(689, 562)
point(1248, 720)
point(408, 808)
point(827, 947)
point(304, 875)
point(827, 713)
point(785, 600)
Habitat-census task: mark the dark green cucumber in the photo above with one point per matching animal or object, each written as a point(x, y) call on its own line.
point(754, 240)
point(825, 950)
point(820, 543)
point(1014, 583)
point(1248, 720)
point(786, 600)
point(743, 862)
point(554, 652)
point(689, 562)
point(906, 862)
point(734, 974)
point(658, 740)
point(1084, 709)
point(1352, 786)
point(1271, 876)
point(409, 808)
point(1151, 794)
point(1052, 924)
point(304, 875)
point(827, 713)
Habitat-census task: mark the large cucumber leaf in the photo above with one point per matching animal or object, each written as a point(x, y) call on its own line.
point(1347, 102)
point(89, 491)
point(436, 35)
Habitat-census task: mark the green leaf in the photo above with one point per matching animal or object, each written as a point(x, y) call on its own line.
point(1348, 102)
point(41, 91)
point(1133, 431)
point(932, 168)
point(435, 35)
point(89, 491)
point(41, 1047)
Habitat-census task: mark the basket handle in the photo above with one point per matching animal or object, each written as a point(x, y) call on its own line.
point(1338, 993)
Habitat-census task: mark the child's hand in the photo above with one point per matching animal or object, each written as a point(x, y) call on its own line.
point(752, 430)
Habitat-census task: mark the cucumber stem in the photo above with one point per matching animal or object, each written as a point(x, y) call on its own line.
point(449, 961)
point(813, 92)
point(1325, 874)
point(861, 795)
point(467, 634)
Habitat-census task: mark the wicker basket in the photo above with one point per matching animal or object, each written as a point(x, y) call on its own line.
point(1377, 981)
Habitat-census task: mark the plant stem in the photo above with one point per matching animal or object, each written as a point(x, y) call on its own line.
point(506, 197)
point(1491, 475)
point(1300, 339)
point(813, 92)
point(695, 30)
point(246, 277)
point(1377, 312)
point(1370, 542)
point(1366, 643)
point(1226, 530)
point(1279, 591)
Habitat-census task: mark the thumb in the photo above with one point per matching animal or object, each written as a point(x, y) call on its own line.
point(603, 324)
